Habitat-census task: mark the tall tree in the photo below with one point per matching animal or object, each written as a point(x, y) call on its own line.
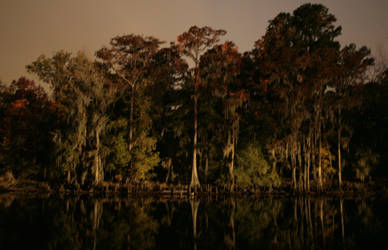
point(129, 60)
point(193, 43)
point(295, 60)
point(82, 95)
point(220, 72)
point(128, 57)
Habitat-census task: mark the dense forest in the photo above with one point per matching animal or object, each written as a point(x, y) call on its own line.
point(299, 109)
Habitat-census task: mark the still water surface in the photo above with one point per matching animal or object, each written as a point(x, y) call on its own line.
point(228, 223)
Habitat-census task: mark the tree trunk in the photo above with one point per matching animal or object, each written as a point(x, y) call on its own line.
point(99, 173)
point(131, 111)
point(305, 168)
point(320, 166)
point(231, 172)
point(293, 166)
point(206, 166)
point(68, 177)
point(294, 177)
point(194, 184)
point(308, 171)
point(302, 173)
point(230, 148)
point(339, 160)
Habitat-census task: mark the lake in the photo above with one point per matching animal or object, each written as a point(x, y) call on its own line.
point(218, 223)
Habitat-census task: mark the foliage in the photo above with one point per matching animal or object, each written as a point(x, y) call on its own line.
point(366, 160)
point(27, 121)
point(253, 168)
point(83, 96)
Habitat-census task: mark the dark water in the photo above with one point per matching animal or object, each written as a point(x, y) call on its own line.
point(140, 223)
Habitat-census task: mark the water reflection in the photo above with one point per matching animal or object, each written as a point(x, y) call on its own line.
point(229, 223)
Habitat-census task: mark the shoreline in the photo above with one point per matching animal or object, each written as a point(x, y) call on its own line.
point(113, 189)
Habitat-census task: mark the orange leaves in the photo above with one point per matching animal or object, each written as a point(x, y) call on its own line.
point(224, 47)
point(21, 103)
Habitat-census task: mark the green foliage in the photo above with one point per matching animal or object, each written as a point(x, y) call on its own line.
point(253, 169)
point(119, 156)
point(366, 161)
point(143, 159)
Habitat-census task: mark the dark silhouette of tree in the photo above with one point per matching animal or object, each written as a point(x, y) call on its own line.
point(297, 60)
point(220, 71)
point(27, 120)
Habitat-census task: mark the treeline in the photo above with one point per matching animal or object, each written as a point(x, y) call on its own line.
point(299, 106)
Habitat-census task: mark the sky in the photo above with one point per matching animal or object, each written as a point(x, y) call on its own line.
point(29, 28)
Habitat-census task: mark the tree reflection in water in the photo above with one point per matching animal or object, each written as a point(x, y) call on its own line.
point(228, 223)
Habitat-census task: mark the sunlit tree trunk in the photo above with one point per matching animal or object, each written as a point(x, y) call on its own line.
point(302, 173)
point(294, 178)
point(194, 184)
point(305, 166)
point(308, 170)
point(229, 154)
point(293, 166)
point(99, 172)
point(320, 182)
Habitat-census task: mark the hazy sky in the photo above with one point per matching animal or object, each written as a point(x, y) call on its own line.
point(29, 28)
